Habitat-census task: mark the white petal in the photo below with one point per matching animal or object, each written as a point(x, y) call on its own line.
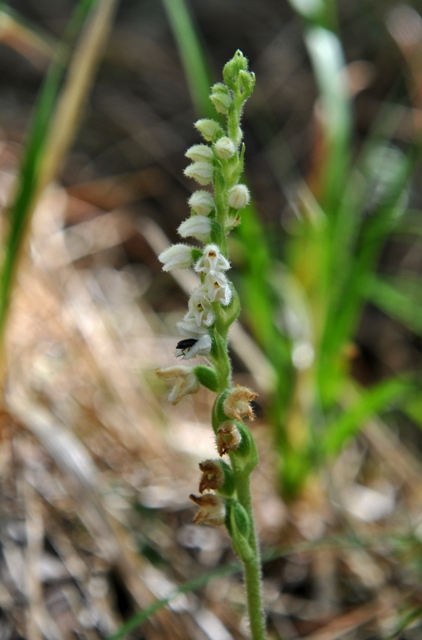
point(239, 196)
point(188, 328)
point(202, 172)
point(201, 348)
point(197, 226)
point(202, 202)
point(178, 256)
point(212, 260)
point(225, 148)
point(200, 307)
point(199, 152)
point(218, 287)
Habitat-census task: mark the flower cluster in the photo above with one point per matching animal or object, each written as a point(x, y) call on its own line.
point(216, 165)
point(213, 214)
point(215, 290)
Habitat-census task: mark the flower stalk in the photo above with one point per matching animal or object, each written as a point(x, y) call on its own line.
point(212, 309)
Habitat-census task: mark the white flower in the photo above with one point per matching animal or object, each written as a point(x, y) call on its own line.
point(197, 226)
point(225, 148)
point(201, 171)
point(212, 260)
point(199, 152)
point(218, 288)
point(178, 256)
point(183, 379)
point(201, 202)
point(210, 129)
point(188, 328)
point(200, 347)
point(200, 307)
point(239, 196)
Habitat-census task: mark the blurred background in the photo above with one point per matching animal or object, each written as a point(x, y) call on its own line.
point(97, 104)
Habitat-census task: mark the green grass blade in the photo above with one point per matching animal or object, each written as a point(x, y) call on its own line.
point(376, 400)
point(401, 299)
point(34, 175)
point(189, 587)
point(407, 619)
point(29, 36)
point(192, 55)
point(327, 59)
point(344, 310)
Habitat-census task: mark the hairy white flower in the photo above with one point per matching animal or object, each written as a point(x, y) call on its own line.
point(210, 129)
point(200, 307)
point(225, 148)
point(201, 171)
point(212, 260)
point(239, 196)
point(183, 379)
point(189, 328)
point(199, 152)
point(201, 202)
point(201, 346)
point(178, 256)
point(197, 226)
point(218, 288)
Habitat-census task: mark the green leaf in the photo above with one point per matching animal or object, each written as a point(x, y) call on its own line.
point(399, 298)
point(376, 400)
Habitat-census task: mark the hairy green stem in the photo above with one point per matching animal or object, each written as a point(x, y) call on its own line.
point(251, 568)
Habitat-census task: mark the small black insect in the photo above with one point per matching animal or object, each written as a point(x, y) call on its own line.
point(185, 345)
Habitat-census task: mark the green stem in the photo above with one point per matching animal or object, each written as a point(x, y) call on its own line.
point(252, 568)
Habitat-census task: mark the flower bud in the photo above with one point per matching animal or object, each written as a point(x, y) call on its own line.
point(198, 226)
point(228, 438)
point(224, 148)
point(183, 379)
point(178, 256)
point(209, 129)
point(212, 509)
point(201, 171)
point(236, 405)
point(247, 83)
point(201, 202)
point(199, 152)
point(233, 66)
point(239, 196)
point(221, 98)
